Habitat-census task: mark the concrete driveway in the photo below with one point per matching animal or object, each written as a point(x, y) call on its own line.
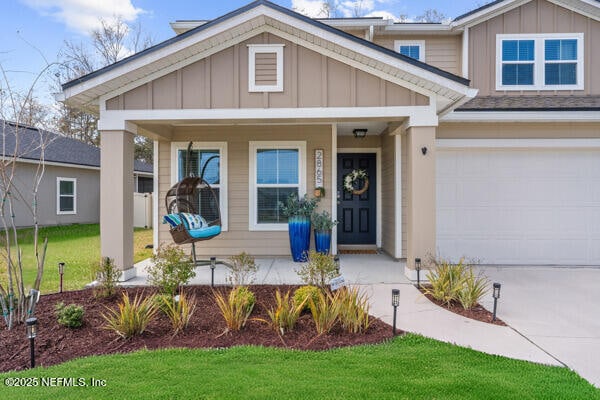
point(558, 309)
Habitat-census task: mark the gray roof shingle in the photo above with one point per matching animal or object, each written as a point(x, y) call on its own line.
point(532, 103)
point(59, 149)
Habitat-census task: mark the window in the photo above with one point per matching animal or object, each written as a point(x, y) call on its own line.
point(66, 196)
point(276, 171)
point(539, 62)
point(212, 156)
point(265, 67)
point(411, 48)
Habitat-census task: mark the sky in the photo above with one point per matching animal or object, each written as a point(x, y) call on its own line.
point(33, 32)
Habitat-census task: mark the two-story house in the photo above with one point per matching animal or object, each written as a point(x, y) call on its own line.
point(480, 137)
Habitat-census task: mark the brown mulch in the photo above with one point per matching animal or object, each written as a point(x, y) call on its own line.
point(56, 344)
point(477, 313)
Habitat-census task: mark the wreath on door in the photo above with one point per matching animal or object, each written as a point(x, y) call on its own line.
point(353, 179)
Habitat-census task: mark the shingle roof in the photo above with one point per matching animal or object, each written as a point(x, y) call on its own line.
point(532, 103)
point(59, 149)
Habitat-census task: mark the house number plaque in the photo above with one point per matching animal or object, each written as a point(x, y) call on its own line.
point(319, 168)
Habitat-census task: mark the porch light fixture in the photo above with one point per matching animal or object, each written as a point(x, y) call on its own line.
point(424, 150)
point(360, 133)
point(32, 327)
point(395, 303)
point(496, 295)
point(418, 269)
point(336, 261)
point(61, 271)
point(213, 265)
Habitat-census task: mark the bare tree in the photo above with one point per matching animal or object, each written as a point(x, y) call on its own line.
point(432, 16)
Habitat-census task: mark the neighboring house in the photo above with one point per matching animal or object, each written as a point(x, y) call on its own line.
point(483, 134)
point(70, 188)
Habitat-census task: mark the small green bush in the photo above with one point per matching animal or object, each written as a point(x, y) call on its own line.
point(70, 316)
point(107, 274)
point(326, 311)
point(242, 269)
point(303, 293)
point(170, 268)
point(473, 289)
point(285, 314)
point(178, 309)
point(132, 317)
point(235, 307)
point(318, 270)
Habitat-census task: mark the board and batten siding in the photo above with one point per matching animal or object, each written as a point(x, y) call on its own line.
point(536, 16)
point(443, 52)
point(238, 238)
point(221, 81)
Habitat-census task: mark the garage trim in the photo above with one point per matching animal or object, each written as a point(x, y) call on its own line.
point(517, 143)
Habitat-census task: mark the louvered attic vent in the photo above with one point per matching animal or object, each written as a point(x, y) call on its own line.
point(265, 66)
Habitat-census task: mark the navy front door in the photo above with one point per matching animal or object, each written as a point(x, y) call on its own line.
point(357, 213)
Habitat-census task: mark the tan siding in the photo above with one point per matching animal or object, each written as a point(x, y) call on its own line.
point(537, 16)
point(350, 142)
point(388, 209)
point(310, 80)
point(518, 131)
point(444, 52)
point(239, 238)
point(404, 182)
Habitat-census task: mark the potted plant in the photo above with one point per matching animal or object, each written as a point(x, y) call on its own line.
point(299, 210)
point(323, 223)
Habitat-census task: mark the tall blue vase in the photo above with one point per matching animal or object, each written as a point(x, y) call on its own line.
point(323, 241)
point(299, 231)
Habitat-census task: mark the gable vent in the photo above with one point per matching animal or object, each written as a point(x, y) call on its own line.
point(265, 68)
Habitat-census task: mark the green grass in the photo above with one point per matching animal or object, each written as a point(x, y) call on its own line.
point(78, 246)
point(410, 367)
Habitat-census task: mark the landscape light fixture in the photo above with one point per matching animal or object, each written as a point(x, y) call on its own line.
point(61, 271)
point(360, 133)
point(395, 303)
point(213, 265)
point(336, 261)
point(32, 328)
point(418, 269)
point(496, 294)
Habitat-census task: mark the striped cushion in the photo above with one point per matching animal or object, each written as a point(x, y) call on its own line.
point(172, 219)
point(193, 221)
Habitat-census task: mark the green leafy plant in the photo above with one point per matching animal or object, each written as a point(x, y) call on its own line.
point(242, 269)
point(170, 269)
point(285, 314)
point(472, 290)
point(303, 293)
point(295, 206)
point(323, 222)
point(107, 275)
point(235, 307)
point(318, 270)
point(70, 316)
point(354, 310)
point(326, 311)
point(446, 281)
point(131, 317)
point(178, 309)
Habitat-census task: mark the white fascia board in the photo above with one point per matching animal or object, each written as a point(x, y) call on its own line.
point(522, 116)
point(356, 23)
point(184, 26)
point(419, 28)
point(517, 143)
point(588, 8)
point(488, 13)
point(119, 119)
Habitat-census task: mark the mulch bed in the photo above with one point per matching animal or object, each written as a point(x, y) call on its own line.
point(56, 344)
point(477, 312)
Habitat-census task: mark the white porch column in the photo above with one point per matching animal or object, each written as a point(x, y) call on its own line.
point(116, 199)
point(421, 207)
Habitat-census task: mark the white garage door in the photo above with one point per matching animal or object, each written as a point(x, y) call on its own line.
point(519, 206)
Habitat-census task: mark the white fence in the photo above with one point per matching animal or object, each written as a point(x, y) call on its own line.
point(142, 210)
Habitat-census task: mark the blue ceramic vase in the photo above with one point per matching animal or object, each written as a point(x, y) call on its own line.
point(323, 241)
point(299, 231)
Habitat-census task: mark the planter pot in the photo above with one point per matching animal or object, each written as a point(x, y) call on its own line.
point(323, 241)
point(299, 231)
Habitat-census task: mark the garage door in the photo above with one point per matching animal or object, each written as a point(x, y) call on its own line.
point(519, 206)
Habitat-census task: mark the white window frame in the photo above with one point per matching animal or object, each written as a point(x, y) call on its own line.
point(253, 224)
point(223, 192)
point(253, 49)
point(420, 43)
point(58, 196)
point(539, 61)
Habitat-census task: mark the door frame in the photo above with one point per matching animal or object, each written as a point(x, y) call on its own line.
point(377, 152)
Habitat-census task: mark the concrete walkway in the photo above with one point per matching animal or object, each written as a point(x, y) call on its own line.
point(378, 275)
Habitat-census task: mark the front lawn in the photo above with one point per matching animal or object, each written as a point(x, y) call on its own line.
point(408, 367)
point(76, 245)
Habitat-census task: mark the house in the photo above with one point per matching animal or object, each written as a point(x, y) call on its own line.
point(69, 191)
point(483, 134)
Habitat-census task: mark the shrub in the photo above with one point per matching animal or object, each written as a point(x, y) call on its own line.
point(446, 280)
point(131, 318)
point(178, 309)
point(170, 268)
point(354, 310)
point(318, 270)
point(283, 317)
point(325, 311)
point(70, 316)
point(235, 307)
point(323, 221)
point(107, 275)
point(473, 289)
point(303, 293)
point(242, 269)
